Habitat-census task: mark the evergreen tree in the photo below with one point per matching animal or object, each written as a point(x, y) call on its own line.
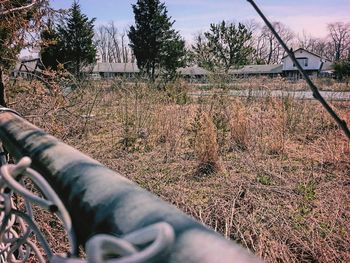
point(229, 45)
point(50, 47)
point(75, 40)
point(342, 69)
point(200, 53)
point(155, 44)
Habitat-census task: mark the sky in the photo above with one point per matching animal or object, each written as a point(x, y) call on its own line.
point(193, 16)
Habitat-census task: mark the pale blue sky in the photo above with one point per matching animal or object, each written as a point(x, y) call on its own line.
point(196, 15)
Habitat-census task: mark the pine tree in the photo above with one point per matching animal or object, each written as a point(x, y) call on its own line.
point(50, 51)
point(229, 44)
point(155, 44)
point(342, 69)
point(200, 53)
point(75, 42)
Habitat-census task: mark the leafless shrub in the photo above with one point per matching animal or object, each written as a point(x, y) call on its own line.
point(207, 147)
point(285, 197)
point(239, 127)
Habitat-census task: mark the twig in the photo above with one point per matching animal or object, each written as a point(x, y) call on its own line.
point(341, 123)
point(17, 9)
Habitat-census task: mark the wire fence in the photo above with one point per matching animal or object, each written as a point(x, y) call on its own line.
point(111, 217)
point(17, 227)
point(123, 223)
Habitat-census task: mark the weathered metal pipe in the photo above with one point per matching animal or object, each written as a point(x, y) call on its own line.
point(100, 200)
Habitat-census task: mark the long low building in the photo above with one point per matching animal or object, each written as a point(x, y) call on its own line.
point(258, 70)
point(194, 74)
point(313, 64)
point(105, 70)
point(112, 70)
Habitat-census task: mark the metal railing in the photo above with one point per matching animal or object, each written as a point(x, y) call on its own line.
point(113, 218)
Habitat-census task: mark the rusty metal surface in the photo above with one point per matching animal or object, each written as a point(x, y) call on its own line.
point(100, 200)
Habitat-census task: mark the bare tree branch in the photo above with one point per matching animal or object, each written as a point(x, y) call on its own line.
point(4, 12)
point(340, 36)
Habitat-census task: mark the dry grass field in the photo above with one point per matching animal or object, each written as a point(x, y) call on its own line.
point(219, 82)
point(271, 173)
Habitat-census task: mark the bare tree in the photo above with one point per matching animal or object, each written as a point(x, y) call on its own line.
point(267, 48)
point(260, 43)
point(256, 41)
point(339, 34)
point(101, 40)
point(319, 46)
point(112, 45)
point(307, 41)
point(273, 50)
point(12, 7)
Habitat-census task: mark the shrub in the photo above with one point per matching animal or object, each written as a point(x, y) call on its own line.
point(239, 127)
point(206, 147)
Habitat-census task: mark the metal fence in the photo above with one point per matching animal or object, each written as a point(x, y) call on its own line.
point(113, 218)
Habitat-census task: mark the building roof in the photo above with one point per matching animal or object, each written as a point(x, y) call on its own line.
point(30, 65)
point(193, 71)
point(307, 52)
point(102, 67)
point(327, 66)
point(259, 69)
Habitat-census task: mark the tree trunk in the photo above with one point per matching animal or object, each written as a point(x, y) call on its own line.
point(153, 72)
point(2, 89)
point(270, 53)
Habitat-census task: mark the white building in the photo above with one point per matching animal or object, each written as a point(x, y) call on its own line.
point(313, 64)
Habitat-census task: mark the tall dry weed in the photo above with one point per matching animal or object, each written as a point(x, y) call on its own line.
point(239, 127)
point(167, 130)
point(135, 111)
point(207, 148)
point(285, 197)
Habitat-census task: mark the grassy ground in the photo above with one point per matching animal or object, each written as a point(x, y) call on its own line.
point(266, 83)
point(272, 174)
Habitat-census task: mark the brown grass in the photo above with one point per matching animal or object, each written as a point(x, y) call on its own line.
point(206, 147)
point(283, 190)
point(239, 126)
point(269, 84)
